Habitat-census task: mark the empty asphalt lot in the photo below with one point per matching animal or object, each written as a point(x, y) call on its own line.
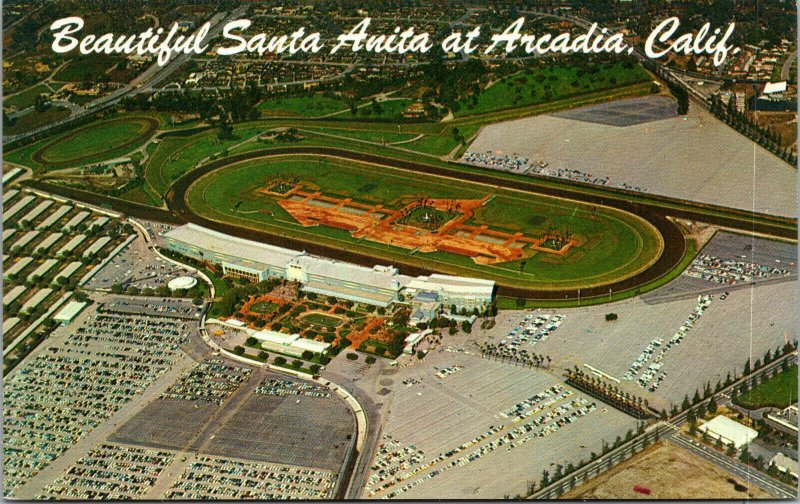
point(696, 157)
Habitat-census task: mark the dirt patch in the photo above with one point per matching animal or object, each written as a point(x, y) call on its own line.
point(668, 472)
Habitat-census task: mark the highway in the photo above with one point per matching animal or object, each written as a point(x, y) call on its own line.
point(143, 83)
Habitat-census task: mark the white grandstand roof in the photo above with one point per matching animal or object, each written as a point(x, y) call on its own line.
point(221, 243)
point(384, 277)
point(454, 284)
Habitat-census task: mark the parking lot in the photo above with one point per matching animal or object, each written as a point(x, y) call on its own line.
point(228, 478)
point(110, 471)
point(307, 429)
point(717, 341)
point(137, 266)
point(479, 427)
point(157, 307)
point(76, 380)
point(696, 157)
point(731, 262)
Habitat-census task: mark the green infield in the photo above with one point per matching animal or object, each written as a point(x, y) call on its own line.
point(96, 142)
point(610, 245)
point(779, 391)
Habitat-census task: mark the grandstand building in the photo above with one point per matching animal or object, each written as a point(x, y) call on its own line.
point(377, 286)
point(449, 290)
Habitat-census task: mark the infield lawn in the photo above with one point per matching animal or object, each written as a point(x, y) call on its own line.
point(616, 244)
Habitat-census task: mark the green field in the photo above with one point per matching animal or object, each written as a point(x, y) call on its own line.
point(544, 85)
point(264, 307)
point(87, 68)
point(779, 391)
point(617, 244)
point(96, 142)
point(321, 319)
point(26, 98)
point(302, 106)
point(34, 120)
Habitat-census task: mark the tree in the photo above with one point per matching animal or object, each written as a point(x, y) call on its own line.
point(712, 405)
point(307, 354)
point(238, 350)
point(545, 479)
point(279, 361)
point(315, 369)
point(263, 355)
point(370, 360)
point(297, 364)
point(610, 317)
point(251, 341)
point(352, 356)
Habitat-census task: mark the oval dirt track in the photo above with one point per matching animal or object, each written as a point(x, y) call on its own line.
point(673, 240)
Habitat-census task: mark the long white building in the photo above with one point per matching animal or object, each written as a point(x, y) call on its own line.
point(377, 286)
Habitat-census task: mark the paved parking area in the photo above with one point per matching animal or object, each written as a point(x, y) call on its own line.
point(718, 342)
point(77, 380)
point(483, 428)
point(137, 266)
point(696, 158)
point(731, 262)
point(625, 112)
point(296, 430)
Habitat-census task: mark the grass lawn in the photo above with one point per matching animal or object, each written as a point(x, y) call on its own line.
point(26, 98)
point(264, 307)
point(780, 392)
point(322, 320)
point(302, 106)
point(544, 85)
point(369, 135)
point(87, 68)
point(33, 120)
point(617, 244)
point(175, 156)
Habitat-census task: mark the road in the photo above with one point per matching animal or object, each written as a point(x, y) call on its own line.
point(143, 83)
point(670, 429)
point(733, 466)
